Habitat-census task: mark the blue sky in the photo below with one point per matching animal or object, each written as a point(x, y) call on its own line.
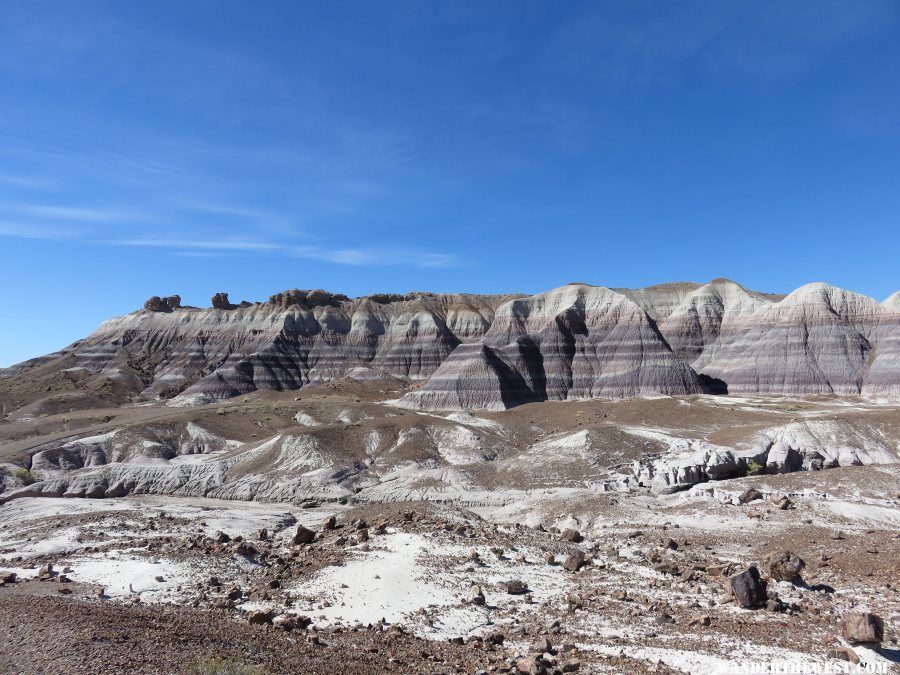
point(191, 147)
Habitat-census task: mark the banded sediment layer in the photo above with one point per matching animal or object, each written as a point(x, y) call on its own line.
point(498, 351)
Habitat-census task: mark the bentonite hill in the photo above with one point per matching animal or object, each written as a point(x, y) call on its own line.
point(492, 352)
point(678, 479)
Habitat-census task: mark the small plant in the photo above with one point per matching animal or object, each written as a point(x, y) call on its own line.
point(27, 476)
point(755, 468)
point(229, 666)
point(220, 411)
point(343, 501)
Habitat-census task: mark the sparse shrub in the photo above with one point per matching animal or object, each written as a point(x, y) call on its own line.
point(220, 411)
point(755, 468)
point(229, 666)
point(343, 501)
point(27, 476)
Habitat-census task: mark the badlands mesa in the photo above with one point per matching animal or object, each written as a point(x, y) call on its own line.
point(681, 478)
point(491, 352)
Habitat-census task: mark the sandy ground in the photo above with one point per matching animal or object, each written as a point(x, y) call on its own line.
point(162, 560)
point(433, 515)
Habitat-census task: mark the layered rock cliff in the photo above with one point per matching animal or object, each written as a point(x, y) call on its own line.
point(295, 338)
point(572, 343)
point(494, 352)
point(582, 342)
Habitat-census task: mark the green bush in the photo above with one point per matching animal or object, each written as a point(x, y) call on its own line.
point(27, 476)
point(755, 468)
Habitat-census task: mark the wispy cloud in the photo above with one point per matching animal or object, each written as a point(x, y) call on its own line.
point(24, 181)
point(197, 254)
point(257, 218)
point(178, 245)
point(81, 214)
point(253, 232)
point(378, 256)
point(203, 248)
point(341, 256)
point(69, 162)
point(229, 210)
point(19, 230)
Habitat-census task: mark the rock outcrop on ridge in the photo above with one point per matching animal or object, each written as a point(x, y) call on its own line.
point(494, 352)
point(158, 304)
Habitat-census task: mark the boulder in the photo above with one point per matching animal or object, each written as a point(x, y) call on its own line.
point(475, 596)
point(541, 645)
point(667, 568)
point(843, 654)
point(303, 535)
point(574, 561)
point(246, 549)
point(863, 628)
point(284, 622)
point(531, 665)
point(750, 495)
point(513, 587)
point(574, 601)
point(784, 503)
point(290, 622)
point(495, 638)
point(329, 524)
point(260, 617)
point(748, 589)
point(572, 535)
point(785, 566)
